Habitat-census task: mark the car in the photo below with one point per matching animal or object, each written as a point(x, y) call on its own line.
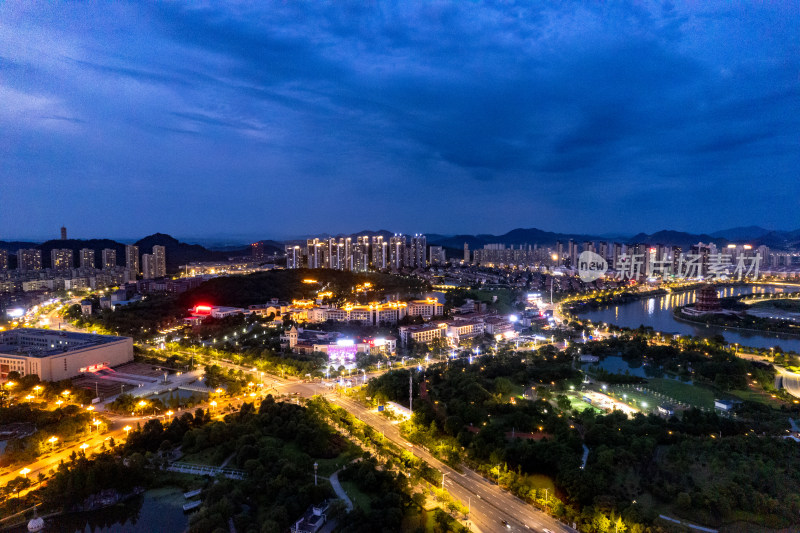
point(505, 523)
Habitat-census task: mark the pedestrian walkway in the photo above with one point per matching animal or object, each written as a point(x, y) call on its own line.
point(337, 488)
point(205, 470)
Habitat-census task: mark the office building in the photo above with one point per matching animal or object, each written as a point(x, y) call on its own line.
point(61, 259)
point(109, 258)
point(29, 259)
point(55, 355)
point(86, 258)
point(160, 259)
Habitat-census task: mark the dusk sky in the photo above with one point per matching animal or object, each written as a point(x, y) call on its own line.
point(277, 119)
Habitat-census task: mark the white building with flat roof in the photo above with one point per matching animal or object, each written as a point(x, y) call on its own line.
point(55, 355)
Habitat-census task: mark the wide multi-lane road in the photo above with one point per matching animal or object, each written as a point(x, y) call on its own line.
point(489, 504)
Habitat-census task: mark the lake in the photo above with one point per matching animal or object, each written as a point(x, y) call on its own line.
point(656, 312)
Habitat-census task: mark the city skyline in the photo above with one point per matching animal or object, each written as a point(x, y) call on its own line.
point(266, 119)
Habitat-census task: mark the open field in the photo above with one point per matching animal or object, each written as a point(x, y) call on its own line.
point(682, 392)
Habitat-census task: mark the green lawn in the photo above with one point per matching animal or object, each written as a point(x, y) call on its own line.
point(579, 404)
point(753, 396)
point(204, 457)
point(360, 500)
point(682, 392)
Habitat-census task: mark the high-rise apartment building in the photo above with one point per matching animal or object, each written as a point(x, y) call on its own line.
point(61, 258)
point(160, 259)
point(379, 250)
point(63, 233)
point(397, 251)
point(294, 257)
point(437, 255)
point(86, 256)
point(109, 258)
point(29, 259)
point(3, 259)
point(132, 259)
point(257, 251)
point(419, 251)
point(466, 253)
point(148, 266)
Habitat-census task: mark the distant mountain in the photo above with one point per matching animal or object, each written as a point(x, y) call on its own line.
point(514, 237)
point(674, 238)
point(742, 233)
point(179, 253)
point(783, 240)
point(13, 246)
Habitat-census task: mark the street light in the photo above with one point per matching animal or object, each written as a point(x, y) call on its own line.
point(52, 440)
point(25, 471)
point(169, 415)
point(127, 430)
point(83, 447)
point(37, 388)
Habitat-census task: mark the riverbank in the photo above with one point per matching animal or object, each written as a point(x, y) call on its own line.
point(678, 315)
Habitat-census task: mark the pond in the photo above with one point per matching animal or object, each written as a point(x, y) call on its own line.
point(156, 511)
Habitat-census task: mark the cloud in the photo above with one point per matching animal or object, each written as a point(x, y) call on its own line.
point(503, 107)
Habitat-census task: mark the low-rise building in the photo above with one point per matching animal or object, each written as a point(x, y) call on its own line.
point(424, 333)
point(55, 355)
point(427, 308)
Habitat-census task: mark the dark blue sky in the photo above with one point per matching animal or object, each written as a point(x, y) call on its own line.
point(275, 119)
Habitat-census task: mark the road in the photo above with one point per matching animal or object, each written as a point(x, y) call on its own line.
point(489, 504)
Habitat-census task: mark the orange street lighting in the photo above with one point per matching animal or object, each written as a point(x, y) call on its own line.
point(83, 446)
point(52, 440)
point(37, 388)
point(219, 391)
point(10, 384)
point(169, 414)
point(127, 429)
point(65, 393)
point(29, 397)
point(25, 471)
point(90, 408)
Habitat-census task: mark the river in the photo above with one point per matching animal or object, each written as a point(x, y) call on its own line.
point(656, 312)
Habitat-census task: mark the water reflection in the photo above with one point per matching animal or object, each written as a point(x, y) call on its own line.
point(657, 313)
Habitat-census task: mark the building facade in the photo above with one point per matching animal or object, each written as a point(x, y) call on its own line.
point(55, 355)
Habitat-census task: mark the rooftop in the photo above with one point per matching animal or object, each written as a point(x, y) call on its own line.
point(46, 342)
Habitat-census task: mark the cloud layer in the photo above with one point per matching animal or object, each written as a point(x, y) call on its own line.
point(283, 118)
